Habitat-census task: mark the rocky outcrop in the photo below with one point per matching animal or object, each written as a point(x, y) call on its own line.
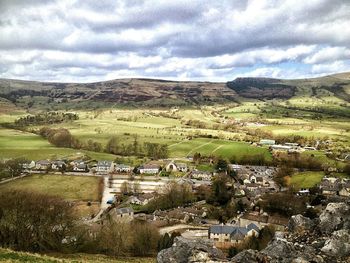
point(339, 244)
point(299, 223)
point(322, 240)
point(186, 250)
point(336, 216)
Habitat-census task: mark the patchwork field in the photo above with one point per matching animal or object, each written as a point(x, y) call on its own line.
point(14, 144)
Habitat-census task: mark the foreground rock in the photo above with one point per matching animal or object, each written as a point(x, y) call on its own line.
point(336, 216)
point(186, 250)
point(322, 240)
point(300, 223)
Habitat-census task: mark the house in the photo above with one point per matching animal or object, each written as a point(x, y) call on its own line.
point(235, 167)
point(125, 213)
point(281, 147)
point(104, 167)
point(42, 165)
point(28, 165)
point(335, 186)
point(330, 186)
point(267, 142)
point(176, 167)
point(201, 175)
point(122, 168)
point(261, 220)
point(224, 235)
point(149, 169)
point(58, 165)
point(79, 166)
point(142, 199)
point(292, 144)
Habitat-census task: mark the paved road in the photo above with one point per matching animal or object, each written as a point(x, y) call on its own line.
point(106, 195)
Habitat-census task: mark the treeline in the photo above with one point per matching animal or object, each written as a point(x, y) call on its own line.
point(151, 150)
point(51, 117)
point(176, 195)
point(40, 223)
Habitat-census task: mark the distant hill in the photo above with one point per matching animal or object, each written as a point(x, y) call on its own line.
point(153, 92)
point(337, 85)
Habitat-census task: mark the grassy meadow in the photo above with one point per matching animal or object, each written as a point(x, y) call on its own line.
point(72, 188)
point(7, 255)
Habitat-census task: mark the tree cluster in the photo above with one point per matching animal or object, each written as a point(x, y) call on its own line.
point(12, 167)
point(175, 195)
point(41, 223)
point(46, 118)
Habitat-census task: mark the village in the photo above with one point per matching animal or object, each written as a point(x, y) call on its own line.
point(128, 189)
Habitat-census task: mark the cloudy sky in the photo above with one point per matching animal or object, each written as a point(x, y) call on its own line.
point(93, 40)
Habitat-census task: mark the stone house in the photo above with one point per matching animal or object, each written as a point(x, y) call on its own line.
point(124, 214)
point(58, 165)
point(226, 235)
point(42, 165)
point(176, 167)
point(79, 166)
point(261, 220)
point(201, 175)
point(104, 167)
point(122, 168)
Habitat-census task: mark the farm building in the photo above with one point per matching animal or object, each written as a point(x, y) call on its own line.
point(267, 142)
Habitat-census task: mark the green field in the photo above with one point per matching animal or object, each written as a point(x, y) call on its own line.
point(73, 188)
point(222, 148)
point(306, 179)
point(15, 144)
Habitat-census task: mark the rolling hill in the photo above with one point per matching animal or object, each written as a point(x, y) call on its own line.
point(154, 92)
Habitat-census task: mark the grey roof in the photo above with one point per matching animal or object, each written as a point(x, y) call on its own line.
point(252, 226)
point(122, 166)
point(124, 210)
point(239, 233)
point(233, 231)
point(219, 229)
point(104, 163)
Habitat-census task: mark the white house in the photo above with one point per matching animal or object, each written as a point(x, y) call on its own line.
point(149, 169)
point(122, 168)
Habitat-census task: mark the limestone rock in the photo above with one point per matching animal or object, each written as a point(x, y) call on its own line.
point(339, 244)
point(280, 248)
point(247, 256)
point(336, 216)
point(187, 250)
point(299, 223)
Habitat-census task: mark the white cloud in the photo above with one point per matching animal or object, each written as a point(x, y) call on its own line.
point(63, 40)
